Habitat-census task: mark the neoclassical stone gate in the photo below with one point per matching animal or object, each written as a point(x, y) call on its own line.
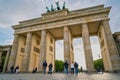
point(34, 40)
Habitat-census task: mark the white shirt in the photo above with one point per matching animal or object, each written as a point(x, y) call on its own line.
point(72, 65)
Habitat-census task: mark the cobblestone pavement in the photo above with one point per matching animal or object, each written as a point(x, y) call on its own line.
point(60, 76)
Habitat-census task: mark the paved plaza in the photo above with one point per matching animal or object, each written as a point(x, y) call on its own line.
point(60, 76)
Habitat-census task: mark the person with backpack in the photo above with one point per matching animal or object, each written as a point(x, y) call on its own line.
point(76, 68)
point(50, 68)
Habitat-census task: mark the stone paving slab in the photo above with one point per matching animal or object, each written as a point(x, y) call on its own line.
point(60, 76)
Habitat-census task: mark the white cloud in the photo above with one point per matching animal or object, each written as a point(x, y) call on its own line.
point(8, 42)
point(14, 11)
point(59, 50)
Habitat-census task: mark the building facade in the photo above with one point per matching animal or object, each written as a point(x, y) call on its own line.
point(4, 57)
point(116, 36)
point(34, 40)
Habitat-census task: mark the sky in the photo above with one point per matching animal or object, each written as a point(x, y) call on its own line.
point(13, 11)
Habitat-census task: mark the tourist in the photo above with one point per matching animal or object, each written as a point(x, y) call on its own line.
point(72, 68)
point(17, 69)
point(34, 70)
point(44, 67)
point(66, 67)
point(50, 68)
point(76, 68)
point(12, 69)
point(81, 69)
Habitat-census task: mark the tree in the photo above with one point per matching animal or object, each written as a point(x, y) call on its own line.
point(59, 66)
point(98, 64)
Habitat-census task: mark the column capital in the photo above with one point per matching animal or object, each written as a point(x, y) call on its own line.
point(29, 32)
point(66, 28)
point(85, 23)
point(43, 30)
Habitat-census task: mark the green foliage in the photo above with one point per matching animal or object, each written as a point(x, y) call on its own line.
point(59, 65)
point(98, 64)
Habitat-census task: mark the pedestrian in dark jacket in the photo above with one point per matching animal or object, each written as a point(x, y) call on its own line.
point(76, 68)
point(50, 68)
point(66, 67)
point(12, 69)
point(44, 67)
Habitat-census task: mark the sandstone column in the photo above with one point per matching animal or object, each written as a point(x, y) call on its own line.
point(0, 57)
point(42, 50)
point(87, 48)
point(114, 60)
point(6, 60)
point(66, 45)
point(13, 52)
point(25, 64)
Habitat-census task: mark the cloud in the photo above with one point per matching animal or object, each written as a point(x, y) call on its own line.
point(115, 19)
point(13, 11)
point(59, 50)
point(6, 35)
point(8, 42)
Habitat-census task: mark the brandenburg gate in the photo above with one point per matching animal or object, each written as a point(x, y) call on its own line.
point(34, 39)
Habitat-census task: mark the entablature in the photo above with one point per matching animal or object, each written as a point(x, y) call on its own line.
point(63, 14)
point(85, 15)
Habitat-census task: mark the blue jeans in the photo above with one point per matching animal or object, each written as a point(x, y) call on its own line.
point(76, 71)
point(44, 70)
point(50, 71)
point(66, 70)
point(72, 71)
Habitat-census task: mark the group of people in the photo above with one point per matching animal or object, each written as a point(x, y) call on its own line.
point(49, 66)
point(73, 66)
point(16, 70)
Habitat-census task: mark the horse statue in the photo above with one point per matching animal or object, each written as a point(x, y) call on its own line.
point(52, 9)
point(63, 6)
point(47, 9)
point(57, 4)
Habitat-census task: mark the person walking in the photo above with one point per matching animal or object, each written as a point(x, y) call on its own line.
point(72, 68)
point(66, 67)
point(76, 68)
point(50, 68)
point(44, 67)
